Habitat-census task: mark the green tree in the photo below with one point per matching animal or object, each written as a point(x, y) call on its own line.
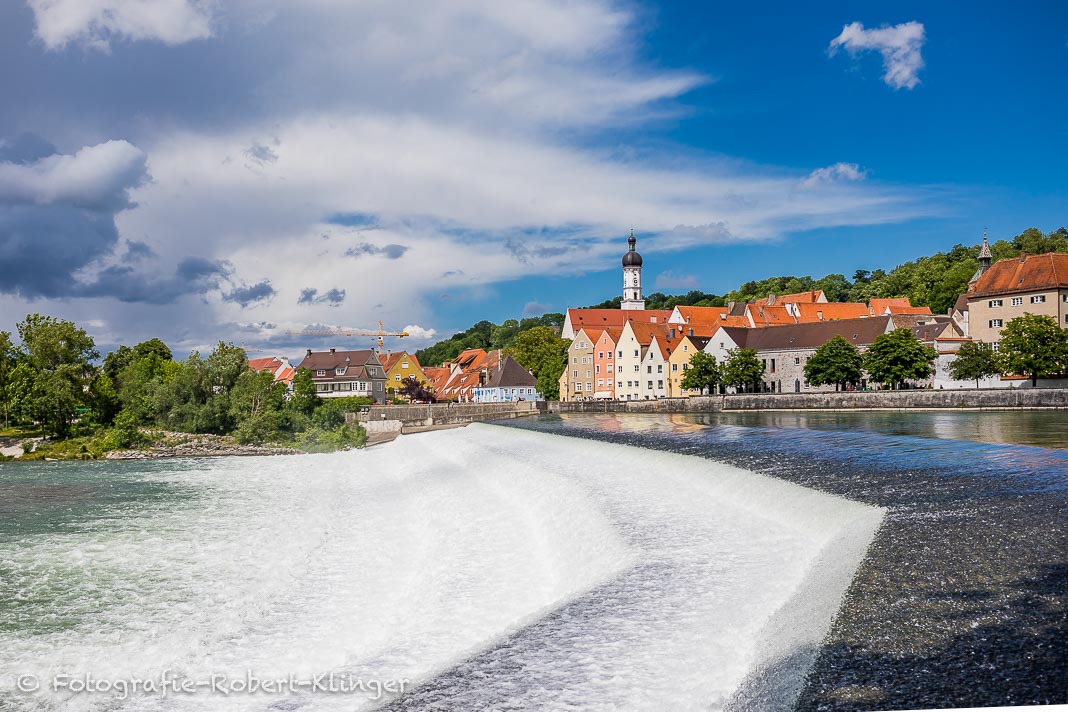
point(57, 356)
point(153, 348)
point(898, 356)
point(256, 403)
point(8, 355)
point(104, 401)
point(1033, 345)
point(304, 398)
point(742, 369)
point(702, 373)
point(542, 352)
point(974, 360)
point(837, 361)
point(116, 361)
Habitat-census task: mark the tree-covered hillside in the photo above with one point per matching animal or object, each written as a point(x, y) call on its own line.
point(485, 335)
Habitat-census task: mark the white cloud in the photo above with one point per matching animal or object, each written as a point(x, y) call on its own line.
point(94, 23)
point(899, 45)
point(830, 174)
point(95, 176)
point(672, 280)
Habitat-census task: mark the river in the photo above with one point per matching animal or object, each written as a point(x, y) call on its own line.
point(860, 561)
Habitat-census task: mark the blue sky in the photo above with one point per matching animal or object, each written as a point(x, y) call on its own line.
point(237, 169)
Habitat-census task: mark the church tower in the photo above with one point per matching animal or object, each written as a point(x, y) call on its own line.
point(985, 257)
point(632, 277)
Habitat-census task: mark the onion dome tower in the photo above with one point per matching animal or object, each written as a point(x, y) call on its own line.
point(632, 277)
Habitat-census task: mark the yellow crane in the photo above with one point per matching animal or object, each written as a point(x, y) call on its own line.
point(354, 332)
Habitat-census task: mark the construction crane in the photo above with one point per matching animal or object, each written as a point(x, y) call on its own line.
point(354, 332)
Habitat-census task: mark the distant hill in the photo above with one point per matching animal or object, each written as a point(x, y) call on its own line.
point(934, 281)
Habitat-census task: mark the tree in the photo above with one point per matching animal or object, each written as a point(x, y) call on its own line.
point(304, 398)
point(897, 357)
point(837, 361)
point(1033, 345)
point(153, 347)
point(7, 366)
point(415, 390)
point(974, 360)
point(702, 373)
point(256, 405)
point(57, 357)
point(742, 368)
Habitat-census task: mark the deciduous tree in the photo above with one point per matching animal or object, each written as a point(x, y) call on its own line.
point(742, 369)
point(974, 360)
point(1033, 345)
point(898, 356)
point(837, 361)
point(703, 373)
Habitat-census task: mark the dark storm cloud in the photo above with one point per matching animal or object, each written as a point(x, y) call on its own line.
point(247, 295)
point(57, 212)
point(136, 251)
point(390, 252)
point(193, 275)
point(522, 251)
point(333, 297)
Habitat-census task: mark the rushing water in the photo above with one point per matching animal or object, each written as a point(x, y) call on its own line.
point(478, 568)
point(962, 599)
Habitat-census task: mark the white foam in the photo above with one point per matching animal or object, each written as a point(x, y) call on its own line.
point(403, 560)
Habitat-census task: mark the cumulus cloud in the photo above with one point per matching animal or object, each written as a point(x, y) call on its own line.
point(830, 174)
point(535, 308)
point(419, 333)
point(94, 23)
point(899, 46)
point(672, 280)
point(57, 212)
point(390, 252)
point(310, 295)
point(245, 295)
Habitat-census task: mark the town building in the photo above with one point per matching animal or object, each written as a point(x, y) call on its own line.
point(399, 366)
point(1028, 284)
point(278, 366)
point(604, 363)
point(580, 366)
point(679, 364)
point(506, 382)
point(346, 373)
point(632, 278)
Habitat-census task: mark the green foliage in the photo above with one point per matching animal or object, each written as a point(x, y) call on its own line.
point(485, 335)
point(8, 355)
point(702, 373)
point(542, 352)
point(257, 406)
point(327, 440)
point(659, 300)
point(742, 368)
point(837, 361)
point(124, 433)
point(304, 398)
point(197, 398)
point(974, 360)
point(1035, 346)
point(104, 401)
point(415, 390)
point(898, 356)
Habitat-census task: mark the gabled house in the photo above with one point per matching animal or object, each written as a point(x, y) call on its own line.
point(346, 373)
point(1028, 284)
point(580, 366)
point(279, 367)
point(604, 363)
point(399, 366)
point(506, 382)
point(679, 364)
point(609, 319)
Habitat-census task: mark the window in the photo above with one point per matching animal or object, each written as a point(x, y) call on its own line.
point(659, 384)
point(578, 386)
point(600, 382)
point(1064, 298)
point(404, 364)
point(996, 323)
point(321, 387)
point(1017, 301)
point(635, 352)
point(637, 368)
point(396, 377)
point(620, 369)
point(597, 368)
point(650, 385)
point(994, 346)
point(659, 368)
point(619, 384)
point(995, 303)
point(589, 385)
point(674, 367)
point(621, 354)
point(600, 354)
point(773, 365)
point(630, 384)
point(1038, 298)
point(588, 373)
point(685, 367)
point(685, 347)
point(574, 374)
point(574, 359)
point(321, 372)
point(797, 360)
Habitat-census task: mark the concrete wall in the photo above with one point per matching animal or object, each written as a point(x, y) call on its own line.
point(879, 400)
point(443, 413)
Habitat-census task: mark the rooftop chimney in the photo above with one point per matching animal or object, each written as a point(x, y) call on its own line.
point(309, 352)
point(332, 350)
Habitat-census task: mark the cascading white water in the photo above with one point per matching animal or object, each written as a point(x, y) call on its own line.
point(565, 573)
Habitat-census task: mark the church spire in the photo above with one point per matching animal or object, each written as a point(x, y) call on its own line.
point(984, 253)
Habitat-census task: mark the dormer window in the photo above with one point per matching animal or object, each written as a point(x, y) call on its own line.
point(321, 372)
point(339, 371)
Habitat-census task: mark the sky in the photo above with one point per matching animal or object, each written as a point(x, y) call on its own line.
point(205, 170)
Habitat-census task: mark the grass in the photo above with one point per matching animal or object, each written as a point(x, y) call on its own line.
point(21, 432)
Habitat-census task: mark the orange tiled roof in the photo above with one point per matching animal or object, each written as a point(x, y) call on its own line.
point(705, 320)
point(775, 315)
point(878, 307)
point(800, 298)
point(910, 310)
point(1025, 273)
point(272, 363)
point(808, 312)
point(614, 317)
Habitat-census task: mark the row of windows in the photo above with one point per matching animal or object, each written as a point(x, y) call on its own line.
point(351, 386)
point(1018, 301)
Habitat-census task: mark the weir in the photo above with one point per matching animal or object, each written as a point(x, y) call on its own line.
point(483, 565)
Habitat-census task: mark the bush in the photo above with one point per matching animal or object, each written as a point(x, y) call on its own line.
point(124, 433)
point(343, 437)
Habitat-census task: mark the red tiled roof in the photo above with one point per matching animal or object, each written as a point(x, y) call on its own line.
point(879, 306)
point(910, 310)
point(272, 363)
point(775, 315)
point(808, 312)
point(1025, 273)
point(800, 298)
point(614, 317)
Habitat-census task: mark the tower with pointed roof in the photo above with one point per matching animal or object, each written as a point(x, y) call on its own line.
point(632, 277)
point(985, 258)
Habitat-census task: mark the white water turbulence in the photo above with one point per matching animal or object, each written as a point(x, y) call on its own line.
point(490, 567)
